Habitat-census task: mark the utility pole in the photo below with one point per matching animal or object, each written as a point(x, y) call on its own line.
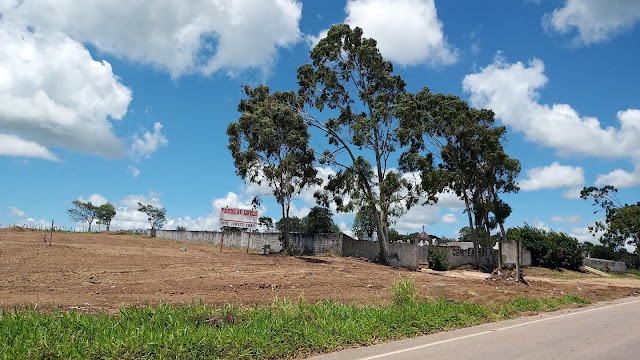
point(51, 233)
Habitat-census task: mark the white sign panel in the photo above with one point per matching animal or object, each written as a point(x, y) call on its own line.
point(240, 218)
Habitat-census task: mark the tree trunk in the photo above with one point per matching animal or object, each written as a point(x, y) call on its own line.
point(285, 230)
point(488, 229)
point(489, 240)
point(502, 232)
point(474, 234)
point(503, 236)
point(383, 237)
point(477, 218)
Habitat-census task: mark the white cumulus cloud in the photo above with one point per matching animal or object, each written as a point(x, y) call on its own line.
point(127, 215)
point(208, 222)
point(449, 219)
point(573, 192)
point(235, 201)
point(593, 21)
point(16, 212)
point(143, 147)
point(584, 234)
point(540, 225)
point(620, 178)
point(94, 199)
point(570, 219)
point(135, 172)
point(423, 215)
point(197, 36)
point(12, 145)
point(417, 217)
point(552, 177)
point(53, 94)
point(449, 200)
point(408, 31)
point(512, 92)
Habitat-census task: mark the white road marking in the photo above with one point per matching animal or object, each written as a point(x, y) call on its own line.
point(494, 330)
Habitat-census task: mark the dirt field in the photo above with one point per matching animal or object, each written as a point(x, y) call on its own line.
point(102, 272)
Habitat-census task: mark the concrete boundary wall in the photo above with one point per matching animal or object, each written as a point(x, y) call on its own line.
point(403, 255)
point(406, 255)
point(232, 239)
point(458, 257)
point(488, 257)
point(316, 244)
point(509, 252)
point(360, 248)
point(605, 265)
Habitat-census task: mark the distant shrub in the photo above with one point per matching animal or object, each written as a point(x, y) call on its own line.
point(437, 258)
point(549, 249)
point(181, 228)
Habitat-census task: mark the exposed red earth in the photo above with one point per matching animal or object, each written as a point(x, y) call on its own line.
point(102, 272)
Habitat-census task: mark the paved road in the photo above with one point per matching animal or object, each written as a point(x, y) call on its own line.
point(605, 331)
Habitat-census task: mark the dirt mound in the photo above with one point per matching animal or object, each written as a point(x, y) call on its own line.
point(465, 267)
point(507, 277)
point(15, 229)
point(117, 232)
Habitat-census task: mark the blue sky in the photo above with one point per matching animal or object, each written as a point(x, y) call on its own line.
point(125, 102)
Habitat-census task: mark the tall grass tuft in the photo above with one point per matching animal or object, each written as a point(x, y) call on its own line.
point(404, 292)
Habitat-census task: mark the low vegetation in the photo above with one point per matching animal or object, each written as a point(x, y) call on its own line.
point(282, 329)
point(437, 259)
point(549, 249)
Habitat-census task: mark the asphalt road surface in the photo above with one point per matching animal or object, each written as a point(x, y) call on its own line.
point(608, 330)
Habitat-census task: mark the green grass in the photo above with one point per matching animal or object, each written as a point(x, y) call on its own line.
point(522, 304)
point(634, 272)
point(283, 329)
point(629, 274)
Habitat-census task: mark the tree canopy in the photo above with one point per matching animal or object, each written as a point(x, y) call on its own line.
point(349, 79)
point(622, 222)
point(266, 222)
point(364, 223)
point(549, 249)
point(155, 216)
point(270, 143)
point(296, 225)
point(105, 213)
point(459, 149)
point(381, 140)
point(319, 221)
point(83, 212)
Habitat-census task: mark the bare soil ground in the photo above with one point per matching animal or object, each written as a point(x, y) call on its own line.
point(102, 272)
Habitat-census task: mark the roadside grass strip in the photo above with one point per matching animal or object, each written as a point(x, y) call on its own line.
point(283, 329)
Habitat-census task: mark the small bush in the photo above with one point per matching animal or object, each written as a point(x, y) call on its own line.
point(437, 259)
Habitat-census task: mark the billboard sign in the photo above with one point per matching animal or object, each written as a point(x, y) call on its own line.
point(239, 218)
